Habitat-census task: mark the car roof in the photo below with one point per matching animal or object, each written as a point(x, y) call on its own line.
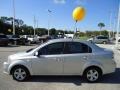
point(90, 44)
point(67, 40)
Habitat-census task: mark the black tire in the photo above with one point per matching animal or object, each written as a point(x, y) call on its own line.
point(24, 73)
point(97, 75)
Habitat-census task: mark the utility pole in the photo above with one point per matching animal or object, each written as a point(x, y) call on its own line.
point(37, 23)
point(49, 14)
point(110, 24)
point(114, 27)
point(118, 26)
point(37, 26)
point(13, 17)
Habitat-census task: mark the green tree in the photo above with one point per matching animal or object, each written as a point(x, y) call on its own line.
point(4, 19)
point(53, 31)
point(19, 22)
point(104, 32)
point(101, 25)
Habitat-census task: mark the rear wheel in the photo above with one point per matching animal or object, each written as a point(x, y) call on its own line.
point(20, 73)
point(92, 74)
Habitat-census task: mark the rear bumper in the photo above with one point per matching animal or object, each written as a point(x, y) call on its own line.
point(110, 68)
point(5, 67)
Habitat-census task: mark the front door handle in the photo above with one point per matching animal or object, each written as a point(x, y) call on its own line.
point(85, 57)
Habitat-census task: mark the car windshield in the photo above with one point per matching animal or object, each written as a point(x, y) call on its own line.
point(15, 36)
point(3, 36)
point(102, 37)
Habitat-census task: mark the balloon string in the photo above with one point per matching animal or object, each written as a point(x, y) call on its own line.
point(76, 26)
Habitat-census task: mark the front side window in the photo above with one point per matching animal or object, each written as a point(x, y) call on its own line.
point(52, 49)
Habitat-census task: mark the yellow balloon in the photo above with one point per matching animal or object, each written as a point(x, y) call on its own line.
point(78, 13)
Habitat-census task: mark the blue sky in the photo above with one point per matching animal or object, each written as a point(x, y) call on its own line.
point(61, 16)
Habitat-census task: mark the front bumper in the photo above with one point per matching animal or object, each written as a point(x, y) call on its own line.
point(5, 67)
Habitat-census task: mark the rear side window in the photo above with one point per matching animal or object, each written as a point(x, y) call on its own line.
point(102, 37)
point(76, 47)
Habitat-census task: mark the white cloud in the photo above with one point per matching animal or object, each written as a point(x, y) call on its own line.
point(59, 1)
point(80, 2)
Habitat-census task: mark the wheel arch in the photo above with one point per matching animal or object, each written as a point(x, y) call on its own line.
point(93, 66)
point(93, 63)
point(19, 66)
point(20, 63)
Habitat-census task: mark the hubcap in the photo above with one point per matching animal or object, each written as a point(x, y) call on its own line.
point(92, 75)
point(19, 74)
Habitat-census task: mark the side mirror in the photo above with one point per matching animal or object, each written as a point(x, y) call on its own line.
point(36, 54)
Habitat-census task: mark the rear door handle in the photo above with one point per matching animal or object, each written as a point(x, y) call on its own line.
point(58, 59)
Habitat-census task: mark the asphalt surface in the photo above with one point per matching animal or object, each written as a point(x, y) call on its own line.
point(108, 82)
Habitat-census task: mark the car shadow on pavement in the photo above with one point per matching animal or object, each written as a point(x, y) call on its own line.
point(10, 46)
point(77, 80)
point(113, 78)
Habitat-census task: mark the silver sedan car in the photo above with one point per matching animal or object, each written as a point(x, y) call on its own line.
point(62, 57)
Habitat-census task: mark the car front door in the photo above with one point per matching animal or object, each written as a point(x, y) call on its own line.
point(49, 60)
point(76, 55)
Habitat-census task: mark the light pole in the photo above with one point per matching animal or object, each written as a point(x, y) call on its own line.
point(110, 24)
point(13, 17)
point(118, 26)
point(75, 34)
point(34, 25)
point(114, 27)
point(49, 13)
point(37, 26)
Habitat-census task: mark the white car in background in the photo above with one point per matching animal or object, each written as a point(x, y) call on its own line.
point(69, 35)
point(33, 39)
point(99, 39)
point(118, 39)
point(62, 57)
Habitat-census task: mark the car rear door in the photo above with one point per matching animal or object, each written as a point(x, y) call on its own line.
point(76, 55)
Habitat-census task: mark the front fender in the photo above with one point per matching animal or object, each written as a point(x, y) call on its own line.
point(26, 63)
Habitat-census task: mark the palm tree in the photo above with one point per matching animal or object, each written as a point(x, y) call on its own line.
point(101, 25)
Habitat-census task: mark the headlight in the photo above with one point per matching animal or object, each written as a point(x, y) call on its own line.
point(9, 60)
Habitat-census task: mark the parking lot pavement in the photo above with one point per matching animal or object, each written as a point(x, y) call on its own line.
point(108, 82)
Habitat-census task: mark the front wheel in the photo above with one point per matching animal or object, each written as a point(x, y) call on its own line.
point(20, 73)
point(92, 74)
